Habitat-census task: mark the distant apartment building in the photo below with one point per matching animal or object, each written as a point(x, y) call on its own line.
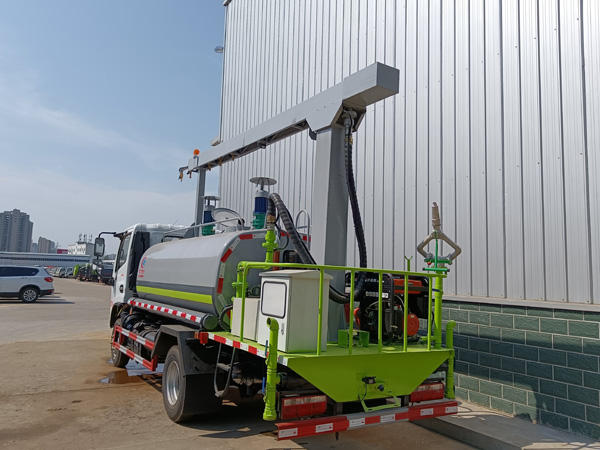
point(15, 231)
point(46, 245)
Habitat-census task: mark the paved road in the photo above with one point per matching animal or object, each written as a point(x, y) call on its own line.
point(59, 391)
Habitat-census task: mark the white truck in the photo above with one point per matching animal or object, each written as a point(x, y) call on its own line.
point(250, 309)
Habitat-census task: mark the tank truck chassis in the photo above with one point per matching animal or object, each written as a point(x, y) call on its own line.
point(221, 321)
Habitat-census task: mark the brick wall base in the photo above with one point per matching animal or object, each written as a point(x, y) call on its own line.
point(538, 364)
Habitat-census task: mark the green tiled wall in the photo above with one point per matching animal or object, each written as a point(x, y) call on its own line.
point(539, 364)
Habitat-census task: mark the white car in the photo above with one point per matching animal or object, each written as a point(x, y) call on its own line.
point(25, 282)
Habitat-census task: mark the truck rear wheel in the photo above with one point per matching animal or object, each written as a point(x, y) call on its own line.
point(186, 395)
point(119, 359)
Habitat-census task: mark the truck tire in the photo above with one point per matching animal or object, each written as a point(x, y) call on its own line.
point(29, 294)
point(185, 396)
point(119, 359)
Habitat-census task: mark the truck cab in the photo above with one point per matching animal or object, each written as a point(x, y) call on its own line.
point(135, 240)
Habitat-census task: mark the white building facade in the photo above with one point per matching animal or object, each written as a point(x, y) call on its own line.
point(81, 248)
point(497, 120)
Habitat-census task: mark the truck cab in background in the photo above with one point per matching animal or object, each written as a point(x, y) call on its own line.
point(134, 241)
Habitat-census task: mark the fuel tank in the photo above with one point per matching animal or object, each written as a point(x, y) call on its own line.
point(198, 273)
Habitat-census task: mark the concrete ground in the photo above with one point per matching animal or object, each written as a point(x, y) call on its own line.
point(59, 391)
point(491, 430)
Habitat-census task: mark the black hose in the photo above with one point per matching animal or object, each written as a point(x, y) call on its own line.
point(356, 218)
point(221, 318)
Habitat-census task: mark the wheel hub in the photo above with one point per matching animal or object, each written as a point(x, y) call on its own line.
point(171, 382)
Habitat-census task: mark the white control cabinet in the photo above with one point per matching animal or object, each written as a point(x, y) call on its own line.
point(292, 298)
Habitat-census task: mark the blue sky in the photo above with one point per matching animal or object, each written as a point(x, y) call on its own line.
point(100, 104)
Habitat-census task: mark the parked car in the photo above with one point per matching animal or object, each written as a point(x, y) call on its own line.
point(25, 282)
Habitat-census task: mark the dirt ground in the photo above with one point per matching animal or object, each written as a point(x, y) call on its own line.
point(60, 391)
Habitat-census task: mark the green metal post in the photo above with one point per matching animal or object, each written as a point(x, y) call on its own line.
point(380, 315)
point(351, 315)
point(269, 244)
point(320, 324)
point(270, 395)
point(242, 312)
point(439, 291)
point(239, 284)
point(430, 303)
point(450, 345)
point(405, 313)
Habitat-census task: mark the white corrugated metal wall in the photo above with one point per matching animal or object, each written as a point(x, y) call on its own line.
point(497, 119)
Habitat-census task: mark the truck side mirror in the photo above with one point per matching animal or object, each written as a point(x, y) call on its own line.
point(99, 247)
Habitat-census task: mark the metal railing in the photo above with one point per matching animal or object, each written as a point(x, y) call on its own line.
point(245, 266)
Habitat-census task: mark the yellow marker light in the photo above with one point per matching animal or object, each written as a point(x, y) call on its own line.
point(196, 152)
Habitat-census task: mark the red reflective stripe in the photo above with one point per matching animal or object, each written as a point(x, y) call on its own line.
point(312, 427)
point(246, 236)
point(220, 339)
point(226, 255)
point(402, 415)
point(220, 285)
point(371, 420)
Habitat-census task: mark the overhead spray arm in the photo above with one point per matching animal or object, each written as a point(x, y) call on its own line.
point(322, 111)
point(438, 234)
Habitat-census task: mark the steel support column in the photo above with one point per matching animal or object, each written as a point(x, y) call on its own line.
point(200, 189)
point(330, 214)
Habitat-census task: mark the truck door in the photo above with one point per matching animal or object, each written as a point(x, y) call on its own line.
point(118, 289)
point(129, 255)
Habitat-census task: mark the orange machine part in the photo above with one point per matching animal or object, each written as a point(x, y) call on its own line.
point(413, 325)
point(399, 285)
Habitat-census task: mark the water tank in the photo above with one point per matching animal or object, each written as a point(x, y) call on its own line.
point(198, 273)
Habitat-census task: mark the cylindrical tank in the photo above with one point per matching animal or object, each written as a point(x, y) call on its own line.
point(198, 273)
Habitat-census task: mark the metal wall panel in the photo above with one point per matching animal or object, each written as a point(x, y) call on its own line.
point(398, 242)
point(494, 151)
point(591, 56)
point(448, 144)
point(552, 152)
point(463, 148)
point(479, 280)
point(531, 154)
point(513, 160)
point(574, 153)
point(497, 120)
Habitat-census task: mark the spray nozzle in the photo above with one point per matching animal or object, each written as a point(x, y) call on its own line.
point(436, 222)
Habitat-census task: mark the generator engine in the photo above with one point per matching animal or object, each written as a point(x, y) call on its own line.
point(393, 301)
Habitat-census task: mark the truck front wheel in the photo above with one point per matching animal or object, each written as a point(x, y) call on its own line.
point(186, 395)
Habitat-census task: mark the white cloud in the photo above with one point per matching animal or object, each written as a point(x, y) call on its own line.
point(23, 111)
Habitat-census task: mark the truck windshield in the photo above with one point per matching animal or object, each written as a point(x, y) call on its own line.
point(123, 251)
